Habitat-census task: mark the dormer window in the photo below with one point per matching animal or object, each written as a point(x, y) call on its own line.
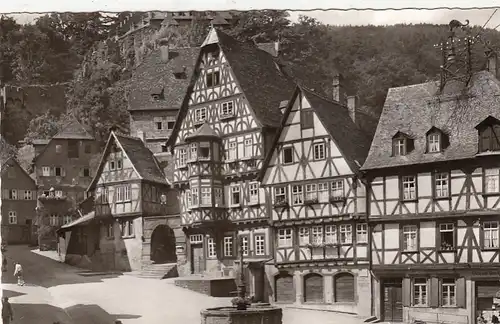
point(157, 94)
point(437, 141)
point(402, 144)
point(489, 135)
point(180, 72)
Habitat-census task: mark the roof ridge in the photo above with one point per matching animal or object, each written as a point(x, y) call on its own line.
point(128, 136)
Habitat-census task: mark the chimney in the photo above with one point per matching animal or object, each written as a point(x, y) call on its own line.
point(352, 106)
point(277, 48)
point(492, 64)
point(164, 49)
point(338, 88)
point(142, 136)
point(283, 105)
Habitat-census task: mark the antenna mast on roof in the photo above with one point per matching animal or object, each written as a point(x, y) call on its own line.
point(456, 55)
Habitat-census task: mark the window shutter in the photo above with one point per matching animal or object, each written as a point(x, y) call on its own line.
point(63, 172)
point(406, 292)
point(52, 171)
point(461, 292)
point(434, 292)
point(6, 194)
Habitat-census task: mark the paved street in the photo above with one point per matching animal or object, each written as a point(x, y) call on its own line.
point(57, 292)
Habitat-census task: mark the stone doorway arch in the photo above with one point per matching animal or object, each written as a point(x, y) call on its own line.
point(163, 245)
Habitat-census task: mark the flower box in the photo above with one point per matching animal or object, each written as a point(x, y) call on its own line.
point(334, 200)
point(282, 204)
point(309, 202)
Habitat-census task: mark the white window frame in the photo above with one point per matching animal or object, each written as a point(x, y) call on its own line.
point(399, 147)
point(67, 219)
point(189, 201)
point(232, 151)
point(420, 292)
point(441, 185)
point(211, 250)
point(218, 197)
point(28, 195)
point(193, 152)
point(123, 193)
point(492, 180)
point(311, 191)
point(317, 234)
point(434, 142)
point(319, 151)
point(58, 148)
point(228, 246)
point(206, 196)
point(304, 236)
point(338, 191)
point(248, 148)
point(323, 192)
point(285, 238)
point(448, 292)
point(13, 194)
point(196, 238)
point(195, 198)
point(200, 115)
point(362, 233)
point(235, 189)
point(45, 171)
point(446, 228)
point(12, 217)
point(260, 244)
point(280, 194)
point(253, 193)
point(58, 193)
point(490, 234)
point(245, 243)
point(54, 220)
point(409, 187)
point(297, 195)
point(182, 157)
point(345, 234)
point(227, 109)
point(331, 234)
point(410, 238)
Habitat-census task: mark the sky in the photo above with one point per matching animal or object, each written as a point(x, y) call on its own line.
point(332, 17)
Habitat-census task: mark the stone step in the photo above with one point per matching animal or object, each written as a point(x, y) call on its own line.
point(156, 271)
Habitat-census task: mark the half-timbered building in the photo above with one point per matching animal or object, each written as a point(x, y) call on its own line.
point(131, 192)
point(317, 205)
point(433, 196)
point(222, 133)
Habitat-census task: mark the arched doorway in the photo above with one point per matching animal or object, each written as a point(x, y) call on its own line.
point(163, 245)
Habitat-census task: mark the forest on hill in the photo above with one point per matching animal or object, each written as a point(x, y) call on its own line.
point(81, 50)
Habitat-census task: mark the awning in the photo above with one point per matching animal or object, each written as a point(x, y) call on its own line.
point(80, 221)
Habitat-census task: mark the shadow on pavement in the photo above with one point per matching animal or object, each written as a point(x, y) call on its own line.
point(11, 293)
point(78, 314)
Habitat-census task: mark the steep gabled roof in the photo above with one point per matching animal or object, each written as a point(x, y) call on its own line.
point(268, 47)
point(258, 74)
point(153, 74)
point(352, 142)
point(204, 131)
point(73, 129)
point(414, 109)
point(142, 159)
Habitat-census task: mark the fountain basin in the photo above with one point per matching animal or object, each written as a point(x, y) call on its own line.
point(254, 314)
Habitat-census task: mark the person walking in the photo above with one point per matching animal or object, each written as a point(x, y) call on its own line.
point(18, 272)
point(7, 313)
point(4, 264)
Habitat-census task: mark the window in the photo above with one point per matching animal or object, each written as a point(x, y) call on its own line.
point(119, 164)
point(399, 146)
point(297, 195)
point(13, 194)
point(304, 236)
point(28, 195)
point(420, 292)
point(218, 197)
point(46, 171)
point(311, 192)
point(409, 187)
point(244, 245)
point(86, 172)
point(260, 244)
point(280, 195)
point(253, 193)
point(58, 148)
point(409, 238)
point(317, 234)
point(306, 119)
point(491, 180)
point(67, 219)
point(228, 246)
point(193, 152)
point(11, 174)
point(53, 220)
point(338, 189)
point(194, 195)
point(490, 235)
point(88, 148)
point(112, 165)
point(441, 185)
point(127, 228)
point(213, 79)
point(200, 115)
point(447, 236)
point(123, 193)
point(319, 151)
point(58, 171)
point(345, 232)
point(204, 152)
point(226, 109)
point(448, 292)
point(159, 125)
point(12, 217)
point(287, 155)
point(330, 234)
point(189, 201)
point(285, 237)
point(235, 195)
point(434, 142)
point(489, 137)
point(323, 192)
point(211, 248)
point(232, 153)
point(248, 148)
point(206, 196)
point(170, 125)
point(196, 239)
point(362, 233)
point(58, 193)
point(73, 149)
point(182, 157)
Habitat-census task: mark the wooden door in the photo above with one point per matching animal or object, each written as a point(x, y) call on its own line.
point(344, 288)
point(285, 290)
point(313, 288)
point(197, 259)
point(393, 301)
